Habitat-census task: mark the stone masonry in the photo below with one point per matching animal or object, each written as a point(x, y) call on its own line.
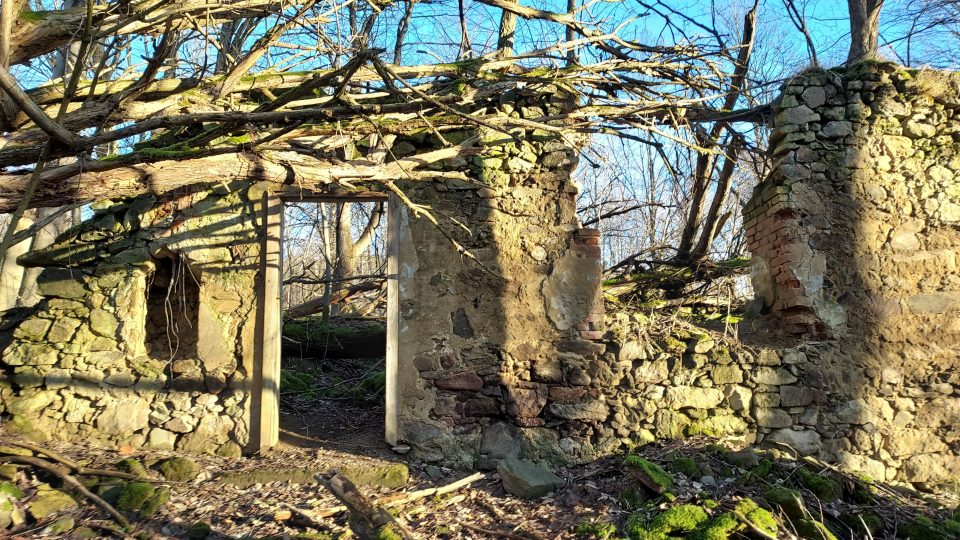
point(146, 332)
point(855, 238)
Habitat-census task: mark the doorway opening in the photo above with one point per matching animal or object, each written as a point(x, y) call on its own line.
point(337, 259)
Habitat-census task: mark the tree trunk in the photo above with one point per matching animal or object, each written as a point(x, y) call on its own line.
point(43, 238)
point(11, 274)
point(508, 27)
point(65, 64)
point(864, 28)
point(288, 172)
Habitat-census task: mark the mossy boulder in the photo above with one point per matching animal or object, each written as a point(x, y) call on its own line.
point(718, 528)
point(178, 469)
point(62, 525)
point(48, 501)
point(160, 497)
point(134, 495)
point(651, 475)
point(392, 476)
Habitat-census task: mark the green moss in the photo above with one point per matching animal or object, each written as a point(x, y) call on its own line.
point(676, 520)
point(924, 528)
point(159, 498)
point(134, 496)
point(198, 531)
point(824, 488)
point(600, 530)
point(703, 428)
point(132, 466)
point(632, 498)
point(863, 523)
point(758, 517)
point(177, 469)
point(387, 532)
point(686, 466)
point(760, 472)
point(789, 501)
point(718, 528)
point(9, 490)
point(810, 529)
point(33, 16)
point(650, 473)
point(680, 518)
point(863, 493)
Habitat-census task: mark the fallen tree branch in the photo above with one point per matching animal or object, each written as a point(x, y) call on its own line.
point(79, 469)
point(367, 521)
point(62, 474)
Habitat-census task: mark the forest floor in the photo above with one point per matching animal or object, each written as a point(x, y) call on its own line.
point(706, 488)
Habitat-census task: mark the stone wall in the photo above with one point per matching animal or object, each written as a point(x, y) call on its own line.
point(144, 335)
point(484, 343)
point(855, 242)
point(497, 306)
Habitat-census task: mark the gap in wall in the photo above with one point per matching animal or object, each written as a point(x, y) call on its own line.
point(333, 380)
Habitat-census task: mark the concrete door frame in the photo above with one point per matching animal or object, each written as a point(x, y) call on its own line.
point(265, 393)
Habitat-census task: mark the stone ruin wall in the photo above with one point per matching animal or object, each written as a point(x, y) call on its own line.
point(96, 360)
point(855, 239)
point(854, 243)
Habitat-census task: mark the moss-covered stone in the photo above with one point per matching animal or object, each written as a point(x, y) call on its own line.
point(393, 475)
point(62, 525)
point(132, 466)
point(760, 472)
point(824, 488)
point(683, 518)
point(760, 518)
point(922, 527)
point(686, 466)
point(134, 495)
point(178, 469)
point(649, 473)
point(160, 497)
point(789, 501)
point(864, 523)
point(49, 501)
point(810, 529)
point(718, 528)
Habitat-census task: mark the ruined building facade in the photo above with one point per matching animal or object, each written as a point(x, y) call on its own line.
point(501, 349)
